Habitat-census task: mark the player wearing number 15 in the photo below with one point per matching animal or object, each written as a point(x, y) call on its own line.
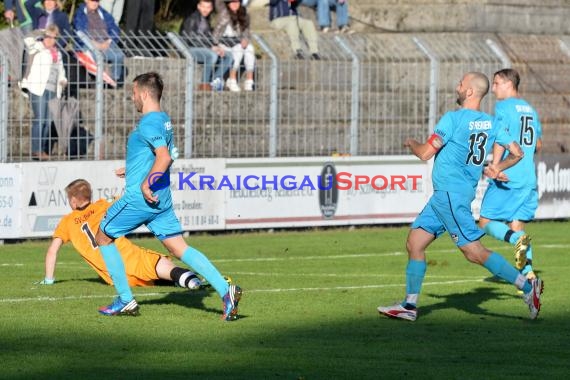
point(515, 201)
point(460, 142)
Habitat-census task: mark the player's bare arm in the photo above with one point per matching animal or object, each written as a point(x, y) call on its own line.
point(424, 151)
point(491, 170)
point(162, 162)
point(515, 155)
point(51, 258)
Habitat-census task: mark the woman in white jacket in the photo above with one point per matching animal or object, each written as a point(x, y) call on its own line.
point(44, 81)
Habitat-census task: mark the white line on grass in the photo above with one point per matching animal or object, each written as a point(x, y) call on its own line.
point(359, 287)
point(344, 275)
point(311, 257)
point(280, 290)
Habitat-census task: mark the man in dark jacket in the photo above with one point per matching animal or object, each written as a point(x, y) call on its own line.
point(197, 32)
point(283, 15)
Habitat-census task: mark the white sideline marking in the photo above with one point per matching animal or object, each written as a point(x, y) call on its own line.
point(155, 294)
point(311, 257)
point(12, 265)
point(359, 287)
point(346, 275)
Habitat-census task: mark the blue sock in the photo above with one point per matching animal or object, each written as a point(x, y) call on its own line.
point(498, 266)
point(415, 272)
point(528, 267)
point(116, 268)
point(206, 269)
point(501, 231)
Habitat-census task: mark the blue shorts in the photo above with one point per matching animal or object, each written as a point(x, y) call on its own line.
point(505, 204)
point(122, 218)
point(449, 212)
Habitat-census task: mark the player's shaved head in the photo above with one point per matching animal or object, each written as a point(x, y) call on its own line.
point(479, 83)
point(79, 189)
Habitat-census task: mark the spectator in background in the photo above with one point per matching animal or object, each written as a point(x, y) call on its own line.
point(283, 15)
point(140, 16)
point(44, 81)
point(20, 13)
point(324, 7)
point(48, 13)
point(198, 29)
point(101, 28)
point(233, 30)
point(114, 7)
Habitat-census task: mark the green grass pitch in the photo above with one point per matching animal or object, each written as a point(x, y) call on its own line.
point(308, 312)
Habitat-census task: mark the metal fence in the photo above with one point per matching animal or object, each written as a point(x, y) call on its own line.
point(366, 94)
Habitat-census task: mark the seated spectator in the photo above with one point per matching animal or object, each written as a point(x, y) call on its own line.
point(24, 20)
point(198, 29)
point(100, 27)
point(48, 13)
point(114, 7)
point(233, 30)
point(44, 81)
point(283, 15)
point(324, 8)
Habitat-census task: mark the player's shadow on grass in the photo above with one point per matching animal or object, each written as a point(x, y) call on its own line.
point(471, 302)
point(190, 298)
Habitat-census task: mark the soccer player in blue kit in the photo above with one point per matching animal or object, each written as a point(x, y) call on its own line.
point(148, 200)
point(460, 144)
point(516, 200)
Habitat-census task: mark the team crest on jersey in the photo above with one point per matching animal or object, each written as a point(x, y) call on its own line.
point(455, 238)
point(168, 125)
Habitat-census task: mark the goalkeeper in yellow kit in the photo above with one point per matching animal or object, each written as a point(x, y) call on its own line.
point(143, 266)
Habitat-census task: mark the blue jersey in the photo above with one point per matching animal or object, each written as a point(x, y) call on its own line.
point(153, 131)
point(523, 124)
point(468, 138)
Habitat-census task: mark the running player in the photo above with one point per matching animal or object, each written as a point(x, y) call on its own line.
point(460, 144)
point(516, 200)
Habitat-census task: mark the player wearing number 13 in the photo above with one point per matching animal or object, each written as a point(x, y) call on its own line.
point(460, 143)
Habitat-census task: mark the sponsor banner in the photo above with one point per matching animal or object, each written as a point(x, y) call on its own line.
point(10, 201)
point(553, 186)
point(298, 192)
point(44, 201)
point(197, 210)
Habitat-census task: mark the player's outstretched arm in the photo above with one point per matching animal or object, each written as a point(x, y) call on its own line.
point(50, 261)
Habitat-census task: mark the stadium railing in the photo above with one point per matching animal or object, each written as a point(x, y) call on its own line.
point(366, 94)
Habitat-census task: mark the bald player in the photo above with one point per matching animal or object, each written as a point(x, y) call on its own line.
point(460, 143)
